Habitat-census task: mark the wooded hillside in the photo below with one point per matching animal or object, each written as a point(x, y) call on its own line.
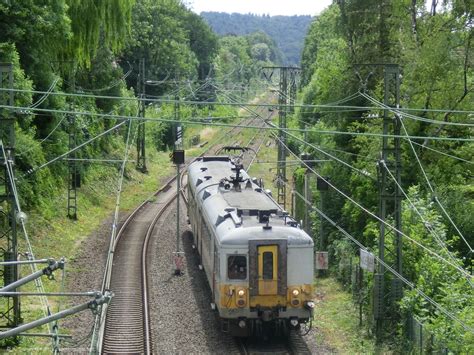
point(287, 31)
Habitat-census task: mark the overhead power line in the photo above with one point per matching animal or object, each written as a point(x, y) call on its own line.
point(426, 176)
point(457, 267)
point(410, 284)
point(322, 106)
point(464, 272)
point(191, 122)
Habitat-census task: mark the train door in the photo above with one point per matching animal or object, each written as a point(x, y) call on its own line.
point(267, 270)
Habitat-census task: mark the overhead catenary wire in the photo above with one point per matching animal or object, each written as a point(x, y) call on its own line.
point(46, 94)
point(191, 122)
point(399, 111)
point(45, 138)
point(366, 210)
point(410, 284)
point(426, 224)
point(399, 117)
point(457, 267)
point(363, 173)
point(31, 171)
point(238, 103)
point(443, 153)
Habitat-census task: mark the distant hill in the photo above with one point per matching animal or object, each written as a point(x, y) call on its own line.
point(287, 31)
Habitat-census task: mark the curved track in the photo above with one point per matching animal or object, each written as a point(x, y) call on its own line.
point(127, 323)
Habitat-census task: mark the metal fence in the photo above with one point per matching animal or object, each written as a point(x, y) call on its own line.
point(421, 340)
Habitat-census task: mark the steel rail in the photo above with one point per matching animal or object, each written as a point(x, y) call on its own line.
point(146, 318)
point(129, 219)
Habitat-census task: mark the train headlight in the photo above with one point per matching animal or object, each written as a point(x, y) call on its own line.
point(241, 293)
point(295, 293)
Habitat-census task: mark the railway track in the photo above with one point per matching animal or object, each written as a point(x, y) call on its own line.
point(293, 344)
point(127, 323)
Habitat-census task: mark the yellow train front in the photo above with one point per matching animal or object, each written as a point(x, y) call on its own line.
point(258, 262)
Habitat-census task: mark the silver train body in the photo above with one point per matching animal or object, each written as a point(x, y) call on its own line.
point(258, 262)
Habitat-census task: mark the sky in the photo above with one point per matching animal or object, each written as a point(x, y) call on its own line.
point(270, 7)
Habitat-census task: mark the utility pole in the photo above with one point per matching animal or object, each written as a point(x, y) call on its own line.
point(285, 99)
point(141, 157)
point(281, 165)
point(177, 130)
point(8, 231)
point(389, 199)
point(293, 89)
point(73, 176)
point(178, 160)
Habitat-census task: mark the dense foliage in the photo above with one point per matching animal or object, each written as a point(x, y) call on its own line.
point(93, 48)
point(240, 60)
point(288, 32)
point(433, 48)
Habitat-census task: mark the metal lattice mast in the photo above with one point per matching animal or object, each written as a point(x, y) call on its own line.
point(73, 176)
point(8, 237)
point(141, 157)
point(293, 89)
point(390, 197)
point(281, 162)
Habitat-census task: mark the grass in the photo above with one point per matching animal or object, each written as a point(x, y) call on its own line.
point(54, 235)
point(337, 320)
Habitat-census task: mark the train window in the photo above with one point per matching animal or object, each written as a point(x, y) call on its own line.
point(237, 267)
point(268, 265)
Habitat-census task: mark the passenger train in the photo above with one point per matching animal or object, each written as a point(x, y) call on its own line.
point(257, 259)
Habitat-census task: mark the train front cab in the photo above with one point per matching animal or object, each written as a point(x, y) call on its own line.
point(274, 298)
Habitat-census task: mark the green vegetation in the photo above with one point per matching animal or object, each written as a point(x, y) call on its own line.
point(94, 48)
point(337, 322)
point(433, 48)
point(288, 32)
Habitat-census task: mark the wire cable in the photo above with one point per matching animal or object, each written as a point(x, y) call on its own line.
point(426, 224)
point(443, 153)
point(238, 104)
point(45, 138)
point(124, 117)
point(461, 270)
point(33, 170)
point(457, 267)
point(427, 179)
point(388, 267)
point(399, 112)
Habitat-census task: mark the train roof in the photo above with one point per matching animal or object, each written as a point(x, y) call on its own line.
point(238, 209)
